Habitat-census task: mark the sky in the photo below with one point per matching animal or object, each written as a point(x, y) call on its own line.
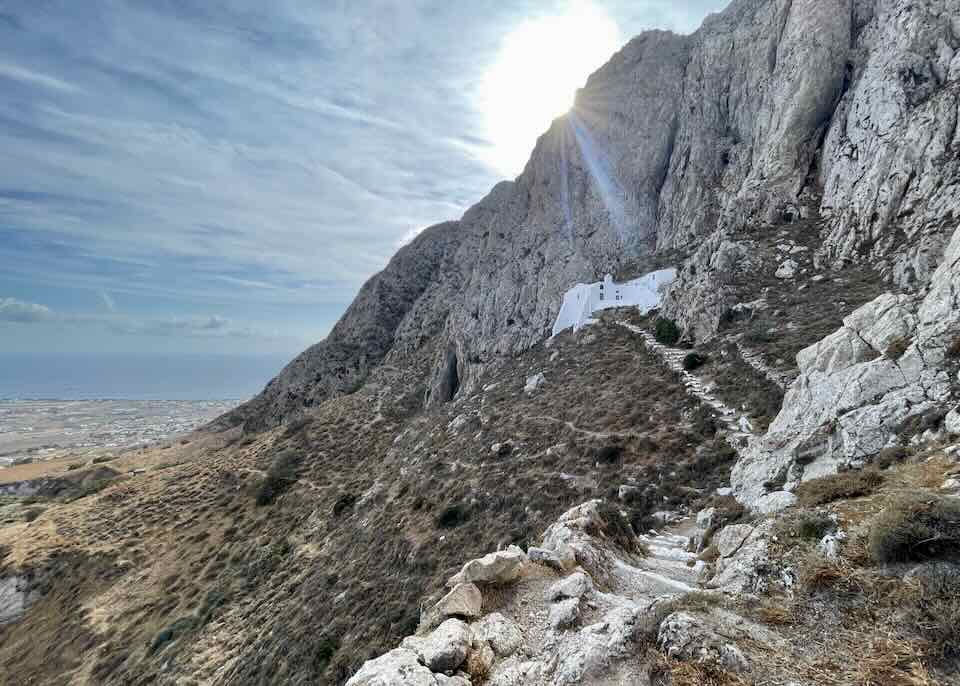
point(198, 176)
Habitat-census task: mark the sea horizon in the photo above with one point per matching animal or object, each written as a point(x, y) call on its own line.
point(146, 376)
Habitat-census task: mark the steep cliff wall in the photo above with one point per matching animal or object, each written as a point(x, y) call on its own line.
point(775, 110)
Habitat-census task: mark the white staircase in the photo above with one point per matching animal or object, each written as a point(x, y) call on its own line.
point(695, 385)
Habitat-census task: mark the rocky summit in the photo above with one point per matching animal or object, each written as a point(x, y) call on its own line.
point(757, 481)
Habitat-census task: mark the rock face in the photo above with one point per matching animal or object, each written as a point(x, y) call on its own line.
point(889, 362)
point(14, 599)
point(750, 121)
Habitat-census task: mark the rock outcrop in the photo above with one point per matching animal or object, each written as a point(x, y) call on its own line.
point(774, 110)
point(890, 362)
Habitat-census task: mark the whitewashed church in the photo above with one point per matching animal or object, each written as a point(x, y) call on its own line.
point(581, 301)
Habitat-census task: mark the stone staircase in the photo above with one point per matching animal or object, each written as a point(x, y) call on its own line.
point(755, 360)
point(695, 386)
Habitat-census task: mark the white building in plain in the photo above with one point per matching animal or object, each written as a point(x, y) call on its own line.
point(581, 301)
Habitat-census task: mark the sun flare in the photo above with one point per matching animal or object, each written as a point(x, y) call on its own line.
point(541, 64)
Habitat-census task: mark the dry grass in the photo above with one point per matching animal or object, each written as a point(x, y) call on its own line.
point(690, 674)
point(885, 661)
point(776, 612)
point(842, 486)
point(916, 527)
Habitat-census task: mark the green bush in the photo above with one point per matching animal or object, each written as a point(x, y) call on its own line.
point(916, 527)
point(693, 361)
point(827, 489)
point(452, 516)
point(666, 332)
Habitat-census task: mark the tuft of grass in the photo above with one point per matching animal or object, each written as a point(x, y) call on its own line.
point(916, 527)
point(827, 489)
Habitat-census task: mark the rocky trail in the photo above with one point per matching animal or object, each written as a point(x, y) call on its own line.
point(565, 613)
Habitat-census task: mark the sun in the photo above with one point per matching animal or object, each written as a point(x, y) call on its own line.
point(541, 64)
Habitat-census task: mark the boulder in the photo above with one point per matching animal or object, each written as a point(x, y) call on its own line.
point(744, 564)
point(787, 269)
point(501, 633)
point(548, 558)
point(951, 423)
point(564, 613)
point(698, 639)
point(399, 667)
point(445, 648)
point(573, 586)
point(464, 600)
point(534, 382)
point(500, 567)
point(774, 502)
point(729, 539)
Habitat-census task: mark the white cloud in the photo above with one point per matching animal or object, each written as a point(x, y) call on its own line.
point(12, 71)
point(13, 310)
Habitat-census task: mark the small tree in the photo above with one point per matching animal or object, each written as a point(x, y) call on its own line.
point(666, 332)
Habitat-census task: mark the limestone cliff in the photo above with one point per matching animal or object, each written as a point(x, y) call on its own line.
point(775, 110)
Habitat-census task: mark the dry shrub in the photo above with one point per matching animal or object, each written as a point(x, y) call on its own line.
point(953, 350)
point(776, 614)
point(933, 608)
point(897, 348)
point(916, 527)
point(893, 662)
point(806, 526)
point(840, 486)
point(689, 674)
point(819, 573)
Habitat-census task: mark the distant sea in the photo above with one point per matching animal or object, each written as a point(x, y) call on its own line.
point(135, 376)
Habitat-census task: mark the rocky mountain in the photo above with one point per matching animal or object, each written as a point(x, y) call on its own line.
point(440, 493)
point(775, 111)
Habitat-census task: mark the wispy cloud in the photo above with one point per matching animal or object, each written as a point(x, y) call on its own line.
point(19, 313)
point(12, 71)
point(108, 301)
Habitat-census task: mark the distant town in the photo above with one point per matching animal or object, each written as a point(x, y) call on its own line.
point(40, 430)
